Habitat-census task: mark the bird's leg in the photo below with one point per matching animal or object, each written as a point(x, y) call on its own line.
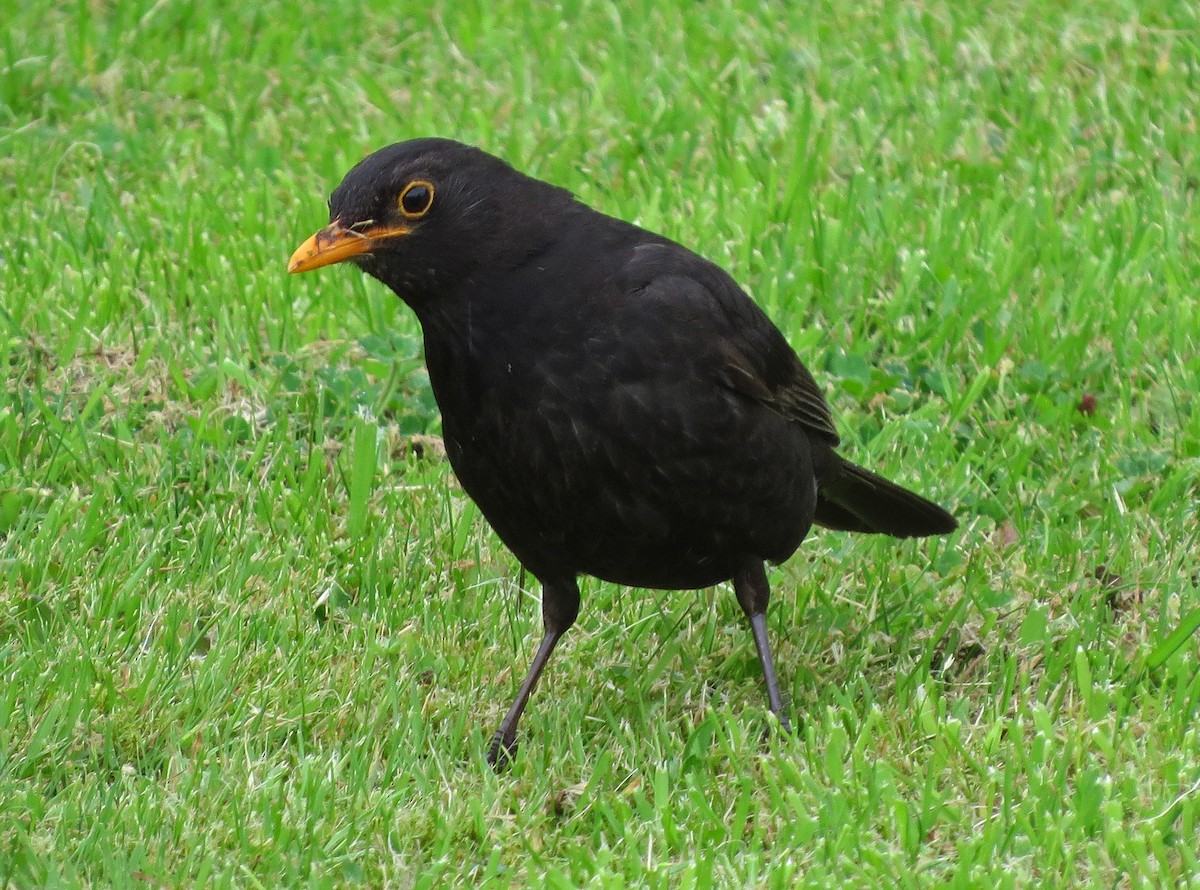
point(753, 593)
point(560, 607)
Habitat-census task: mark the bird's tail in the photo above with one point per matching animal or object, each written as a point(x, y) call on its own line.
point(857, 500)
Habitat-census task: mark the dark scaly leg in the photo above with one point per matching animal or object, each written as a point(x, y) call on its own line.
point(560, 607)
point(753, 593)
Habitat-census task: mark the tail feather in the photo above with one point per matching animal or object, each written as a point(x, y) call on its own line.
point(857, 500)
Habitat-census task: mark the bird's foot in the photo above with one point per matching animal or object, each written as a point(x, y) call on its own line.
point(502, 751)
point(781, 725)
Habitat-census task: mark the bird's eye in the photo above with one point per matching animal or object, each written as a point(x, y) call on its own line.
point(416, 199)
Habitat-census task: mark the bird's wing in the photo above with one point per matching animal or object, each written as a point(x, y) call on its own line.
point(749, 353)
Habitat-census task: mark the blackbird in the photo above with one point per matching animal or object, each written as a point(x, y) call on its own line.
point(614, 403)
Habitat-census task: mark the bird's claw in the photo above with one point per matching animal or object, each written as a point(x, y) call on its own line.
point(780, 726)
point(502, 751)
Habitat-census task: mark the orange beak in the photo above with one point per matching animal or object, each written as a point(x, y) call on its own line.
point(335, 243)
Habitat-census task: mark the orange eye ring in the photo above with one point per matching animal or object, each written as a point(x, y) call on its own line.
point(416, 199)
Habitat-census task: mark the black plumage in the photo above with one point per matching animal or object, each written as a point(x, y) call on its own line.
point(614, 403)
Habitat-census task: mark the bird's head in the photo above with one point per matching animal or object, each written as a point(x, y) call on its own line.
point(424, 214)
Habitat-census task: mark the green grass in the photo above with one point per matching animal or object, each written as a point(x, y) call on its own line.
point(250, 636)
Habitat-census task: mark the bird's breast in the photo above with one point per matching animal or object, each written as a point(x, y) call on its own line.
point(596, 442)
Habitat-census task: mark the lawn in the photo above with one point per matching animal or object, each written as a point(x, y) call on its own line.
point(253, 634)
